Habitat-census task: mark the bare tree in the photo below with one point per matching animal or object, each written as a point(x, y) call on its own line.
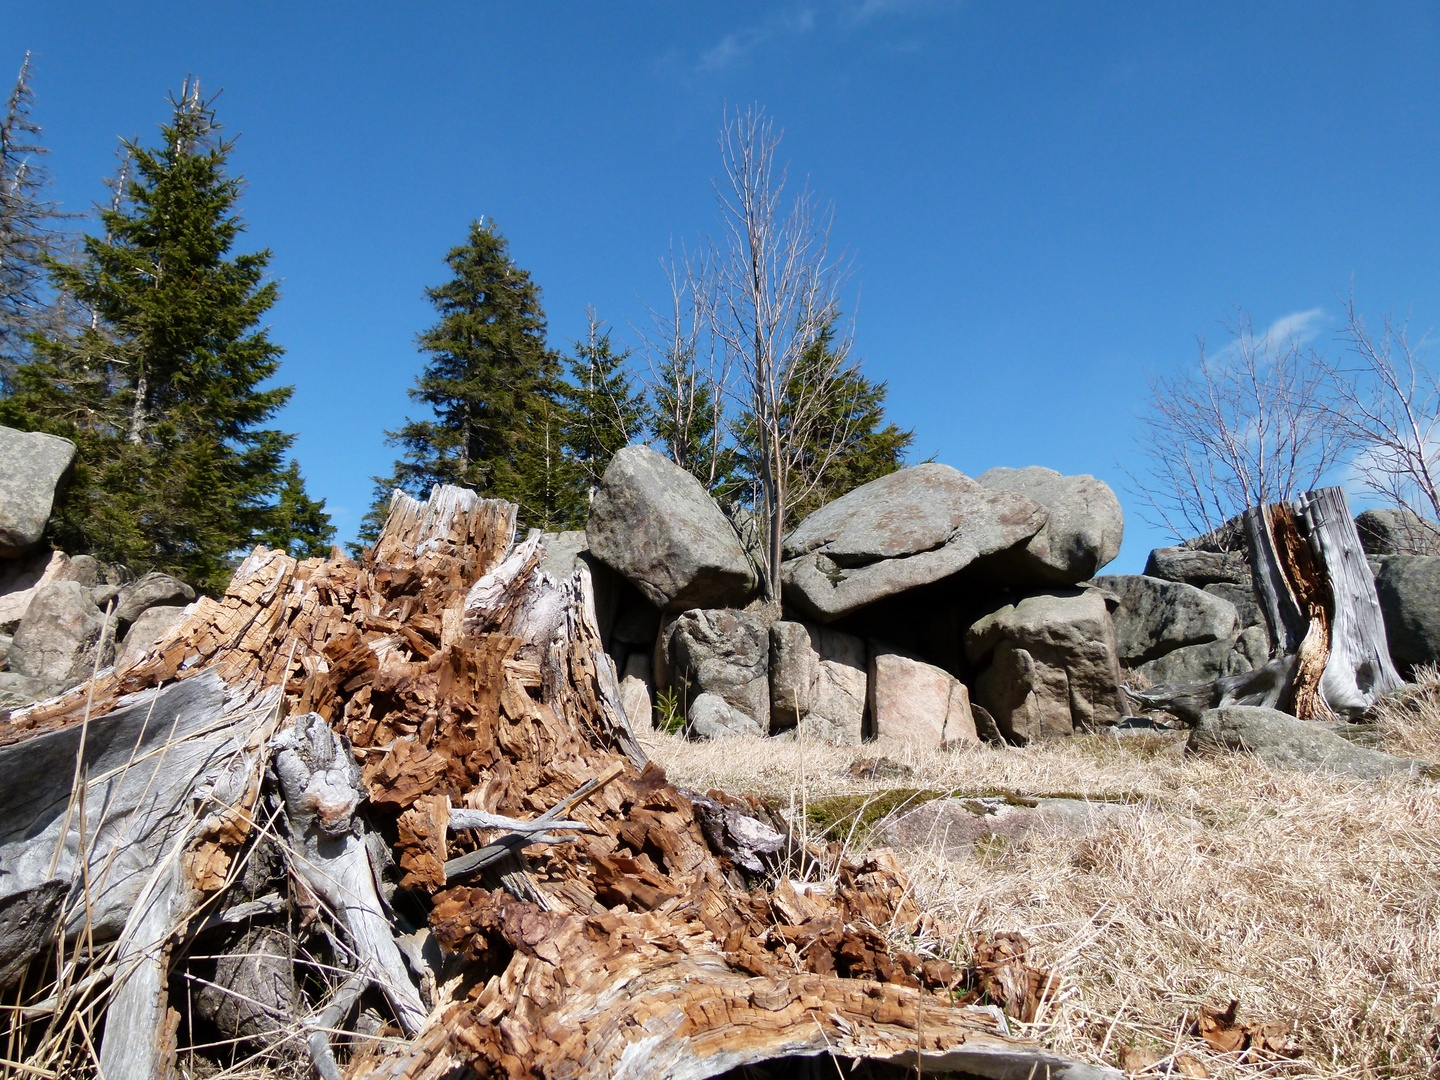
point(1247, 426)
point(1387, 401)
point(689, 371)
point(778, 295)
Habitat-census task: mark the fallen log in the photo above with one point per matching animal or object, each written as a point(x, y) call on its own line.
point(327, 705)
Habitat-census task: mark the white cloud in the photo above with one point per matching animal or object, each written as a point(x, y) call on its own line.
point(737, 45)
point(1300, 326)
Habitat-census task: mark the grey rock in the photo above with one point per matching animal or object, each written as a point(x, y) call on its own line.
point(1283, 742)
point(19, 578)
point(1196, 664)
point(1227, 537)
point(148, 628)
point(152, 590)
point(904, 530)
point(57, 638)
point(1081, 535)
point(1397, 532)
point(101, 595)
point(918, 703)
point(1254, 645)
point(1242, 597)
point(1155, 616)
point(17, 690)
point(817, 682)
point(562, 549)
point(726, 653)
point(955, 827)
point(32, 467)
point(654, 524)
point(1408, 587)
point(5, 642)
point(712, 717)
point(1052, 665)
point(1199, 568)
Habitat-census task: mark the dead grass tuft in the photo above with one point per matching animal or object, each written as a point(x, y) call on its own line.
point(1312, 900)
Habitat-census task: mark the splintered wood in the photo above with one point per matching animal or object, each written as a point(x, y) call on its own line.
point(609, 939)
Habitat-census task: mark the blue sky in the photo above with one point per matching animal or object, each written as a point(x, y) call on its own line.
point(1044, 202)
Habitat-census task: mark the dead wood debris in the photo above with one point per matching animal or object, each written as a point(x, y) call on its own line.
point(401, 716)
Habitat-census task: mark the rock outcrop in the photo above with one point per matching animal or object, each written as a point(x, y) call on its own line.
point(1048, 665)
point(902, 531)
point(1408, 587)
point(654, 524)
point(918, 703)
point(56, 642)
point(1397, 532)
point(32, 466)
point(1081, 535)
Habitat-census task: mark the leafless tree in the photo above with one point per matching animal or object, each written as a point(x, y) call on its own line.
point(1249, 425)
point(689, 371)
point(777, 296)
point(1387, 401)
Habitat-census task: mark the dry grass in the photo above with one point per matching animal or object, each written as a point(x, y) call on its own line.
point(1309, 899)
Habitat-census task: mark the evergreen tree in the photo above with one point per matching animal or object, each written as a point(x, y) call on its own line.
point(299, 524)
point(606, 412)
point(162, 389)
point(847, 445)
point(493, 386)
point(28, 231)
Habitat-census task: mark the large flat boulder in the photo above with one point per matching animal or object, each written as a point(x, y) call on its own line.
point(1397, 532)
point(151, 590)
point(904, 530)
point(724, 653)
point(1283, 742)
point(817, 682)
point(1081, 535)
point(654, 524)
point(1199, 568)
point(1048, 665)
point(1408, 587)
point(57, 639)
point(1155, 617)
point(32, 467)
point(918, 703)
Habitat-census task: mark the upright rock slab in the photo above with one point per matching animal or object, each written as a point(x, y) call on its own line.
point(654, 524)
point(32, 467)
point(1156, 617)
point(725, 653)
point(1081, 535)
point(817, 682)
point(904, 530)
point(918, 703)
point(20, 578)
point(1408, 587)
point(1050, 665)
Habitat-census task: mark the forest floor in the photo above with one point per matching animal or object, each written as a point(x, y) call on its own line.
point(1311, 900)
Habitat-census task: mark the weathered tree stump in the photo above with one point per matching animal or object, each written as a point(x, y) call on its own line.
point(436, 694)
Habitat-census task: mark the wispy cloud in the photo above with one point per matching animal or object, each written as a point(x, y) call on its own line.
point(735, 46)
point(1302, 327)
point(865, 11)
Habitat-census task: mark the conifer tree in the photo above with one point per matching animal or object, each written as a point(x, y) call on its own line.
point(29, 230)
point(606, 412)
point(846, 442)
point(493, 387)
point(162, 390)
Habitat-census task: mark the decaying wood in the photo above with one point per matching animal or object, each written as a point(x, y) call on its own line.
point(656, 941)
point(1359, 670)
point(1328, 646)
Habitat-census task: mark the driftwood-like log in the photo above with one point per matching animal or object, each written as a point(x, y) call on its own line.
point(1264, 686)
point(320, 784)
point(632, 950)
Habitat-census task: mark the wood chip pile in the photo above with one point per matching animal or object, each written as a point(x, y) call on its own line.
point(387, 819)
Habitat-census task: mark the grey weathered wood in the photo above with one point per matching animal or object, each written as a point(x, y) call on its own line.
point(464, 818)
point(329, 1018)
point(1286, 622)
point(492, 599)
point(322, 790)
point(1263, 686)
point(28, 920)
point(1359, 669)
point(584, 631)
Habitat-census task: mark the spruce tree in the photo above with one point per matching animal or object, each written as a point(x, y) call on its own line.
point(606, 412)
point(162, 390)
point(493, 387)
point(29, 231)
